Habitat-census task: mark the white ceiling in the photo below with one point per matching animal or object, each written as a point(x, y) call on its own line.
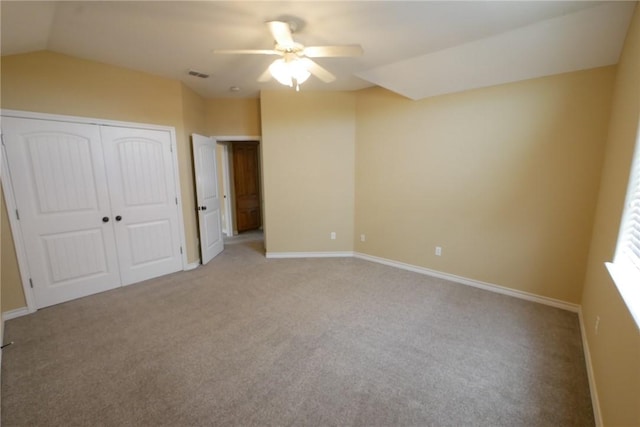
point(416, 48)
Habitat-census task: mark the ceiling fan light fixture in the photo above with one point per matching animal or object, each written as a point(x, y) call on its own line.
point(280, 72)
point(294, 66)
point(299, 71)
point(289, 71)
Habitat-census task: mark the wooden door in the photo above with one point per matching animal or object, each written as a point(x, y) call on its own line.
point(60, 187)
point(144, 201)
point(208, 199)
point(247, 185)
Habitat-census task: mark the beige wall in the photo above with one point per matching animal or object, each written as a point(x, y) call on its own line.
point(504, 179)
point(49, 82)
point(615, 350)
point(11, 292)
point(53, 83)
point(308, 142)
point(233, 117)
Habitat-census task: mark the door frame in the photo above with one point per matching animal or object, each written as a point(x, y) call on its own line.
point(226, 141)
point(7, 187)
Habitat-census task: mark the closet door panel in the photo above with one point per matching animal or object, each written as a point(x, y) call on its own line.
point(61, 192)
point(143, 199)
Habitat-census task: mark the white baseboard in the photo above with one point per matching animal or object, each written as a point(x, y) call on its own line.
point(192, 266)
point(471, 282)
point(595, 402)
point(12, 314)
point(309, 254)
point(434, 273)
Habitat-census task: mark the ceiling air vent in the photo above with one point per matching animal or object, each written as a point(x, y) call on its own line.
point(198, 74)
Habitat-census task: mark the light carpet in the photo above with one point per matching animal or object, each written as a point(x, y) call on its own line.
point(247, 341)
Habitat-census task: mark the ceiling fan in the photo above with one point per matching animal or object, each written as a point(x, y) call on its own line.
point(294, 65)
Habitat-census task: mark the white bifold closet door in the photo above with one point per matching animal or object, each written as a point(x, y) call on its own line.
point(96, 205)
point(143, 201)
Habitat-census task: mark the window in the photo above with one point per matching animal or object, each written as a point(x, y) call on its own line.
point(625, 268)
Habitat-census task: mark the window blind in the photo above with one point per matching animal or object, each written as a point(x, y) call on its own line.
point(625, 268)
point(630, 236)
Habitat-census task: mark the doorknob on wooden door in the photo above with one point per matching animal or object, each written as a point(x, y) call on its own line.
point(105, 219)
point(118, 218)
point(202, 208)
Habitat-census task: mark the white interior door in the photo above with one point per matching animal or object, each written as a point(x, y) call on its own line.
point(60, 187)
point(208, 200)
point(143, 201)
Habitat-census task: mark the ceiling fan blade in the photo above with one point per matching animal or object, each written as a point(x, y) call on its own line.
point(247, 51)
point(318, 71)
point(265, 77)
point(281, 32)
point(332, 51)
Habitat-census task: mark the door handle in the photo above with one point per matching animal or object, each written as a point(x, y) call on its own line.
point(118, 218)
point(105, 219)
point(202, 208)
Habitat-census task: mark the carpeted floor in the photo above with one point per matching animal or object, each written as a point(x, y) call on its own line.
point(245, 237)
point(307, 342)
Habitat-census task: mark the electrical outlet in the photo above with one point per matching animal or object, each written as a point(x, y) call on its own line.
point(363, 238)
point(597, 326)
point(333, 235)
point(438, 251)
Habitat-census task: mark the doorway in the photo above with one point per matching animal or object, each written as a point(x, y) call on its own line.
point(240, 183)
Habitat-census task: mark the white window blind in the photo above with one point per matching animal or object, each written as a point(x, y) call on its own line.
point(630, 233)
point(625, 268)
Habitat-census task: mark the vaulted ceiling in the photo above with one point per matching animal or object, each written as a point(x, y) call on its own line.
point(417, 48)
